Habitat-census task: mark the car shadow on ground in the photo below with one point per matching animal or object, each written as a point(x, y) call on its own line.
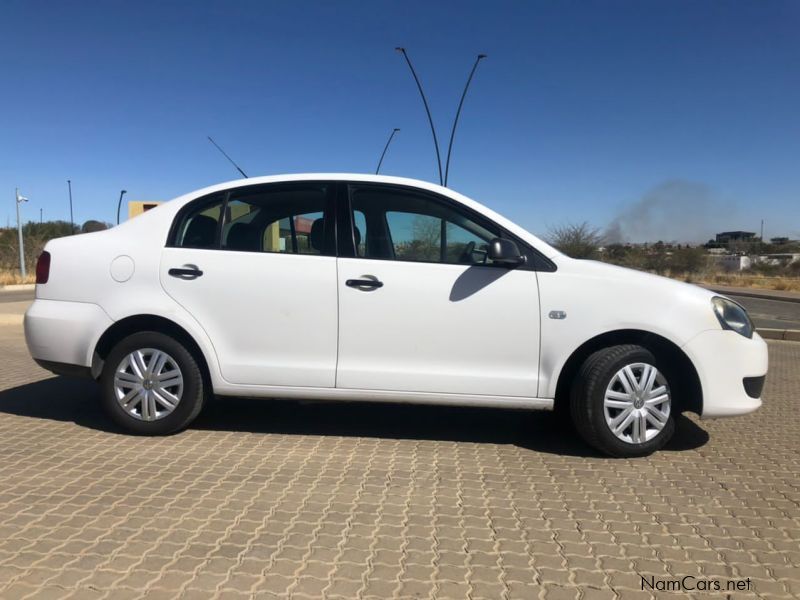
point(78, 401)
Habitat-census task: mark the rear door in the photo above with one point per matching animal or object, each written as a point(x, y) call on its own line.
point(256, 268)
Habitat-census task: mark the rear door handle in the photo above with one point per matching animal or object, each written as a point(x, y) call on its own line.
point(366, 284)
point(186, 272)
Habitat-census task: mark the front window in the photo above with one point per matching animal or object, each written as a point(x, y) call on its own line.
point(400, 224)
point(360, 232)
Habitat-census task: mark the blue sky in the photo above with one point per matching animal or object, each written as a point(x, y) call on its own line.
point(686, 112)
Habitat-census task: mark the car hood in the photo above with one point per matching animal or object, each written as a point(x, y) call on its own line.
point(646, 283)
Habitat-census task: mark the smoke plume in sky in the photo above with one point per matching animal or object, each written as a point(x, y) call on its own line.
point(674, 211)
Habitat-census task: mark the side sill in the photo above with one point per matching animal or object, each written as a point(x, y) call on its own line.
point(397, 397)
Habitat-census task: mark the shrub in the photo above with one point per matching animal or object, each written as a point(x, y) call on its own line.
point(576, 240)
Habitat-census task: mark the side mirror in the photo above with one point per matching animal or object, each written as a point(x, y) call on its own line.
point(505, 252)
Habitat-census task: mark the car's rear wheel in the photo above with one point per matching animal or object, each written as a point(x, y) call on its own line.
point(621, 402)
point(152, 385)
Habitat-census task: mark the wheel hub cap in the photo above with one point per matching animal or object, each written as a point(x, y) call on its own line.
point(148, 384)
point(637, 403)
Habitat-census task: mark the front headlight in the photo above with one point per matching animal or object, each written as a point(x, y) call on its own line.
point(732, 316)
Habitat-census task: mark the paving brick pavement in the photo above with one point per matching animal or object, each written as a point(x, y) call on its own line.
point(276, 500)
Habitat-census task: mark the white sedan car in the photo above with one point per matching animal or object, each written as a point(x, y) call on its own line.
point(371, 288)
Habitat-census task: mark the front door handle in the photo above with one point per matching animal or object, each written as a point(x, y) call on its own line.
point(364, 284)
point(186, 272)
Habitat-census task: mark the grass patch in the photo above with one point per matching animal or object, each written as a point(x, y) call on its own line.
point(13, 277)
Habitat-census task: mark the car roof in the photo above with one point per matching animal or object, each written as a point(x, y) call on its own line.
point(365, 177)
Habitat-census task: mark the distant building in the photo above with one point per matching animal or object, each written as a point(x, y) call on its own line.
point(735, 236)
point(779, 240)
point(137, 207)
point(781, 260)
point(731, 262)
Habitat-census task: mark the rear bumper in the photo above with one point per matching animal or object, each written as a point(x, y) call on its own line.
point(64, 333)
point(724, 360)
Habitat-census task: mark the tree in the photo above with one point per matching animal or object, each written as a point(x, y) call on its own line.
point(92, 226)
point(35, 236)
point(655, 259)
point(425, 242)
point(688, 260)
point(576, 240)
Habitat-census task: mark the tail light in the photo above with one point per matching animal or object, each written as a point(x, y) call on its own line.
point(43, 267)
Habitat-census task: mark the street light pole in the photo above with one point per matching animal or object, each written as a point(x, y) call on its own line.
point(385, 148)
point(20, 200)
point(71, 221)
point(119, 204)
point(427, 110)
point(458, 113)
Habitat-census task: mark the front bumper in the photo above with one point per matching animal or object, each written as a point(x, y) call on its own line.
point(64, 332)
point(723, 360)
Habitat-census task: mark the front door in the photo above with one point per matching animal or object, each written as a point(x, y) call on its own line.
point(421, 307)
point(256, 268)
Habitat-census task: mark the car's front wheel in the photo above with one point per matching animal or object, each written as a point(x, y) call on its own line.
point(621, 402)
point(152, 385)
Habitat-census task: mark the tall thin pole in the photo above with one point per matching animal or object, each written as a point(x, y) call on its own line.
point(40, 216)
point(71, 220)
point(385, 148)
point(20, 200)
point(458, 113)
point(427, 110)
point(119, 204)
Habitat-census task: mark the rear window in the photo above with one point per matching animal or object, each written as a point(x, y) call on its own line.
point(293, 218)
point(285, 220)
point(198, 228)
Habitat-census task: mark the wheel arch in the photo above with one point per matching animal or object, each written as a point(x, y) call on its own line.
point(689, 389)
point(145, 322)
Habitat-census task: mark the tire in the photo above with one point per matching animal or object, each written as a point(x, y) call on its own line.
point(148, 396)
point(594, 414)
